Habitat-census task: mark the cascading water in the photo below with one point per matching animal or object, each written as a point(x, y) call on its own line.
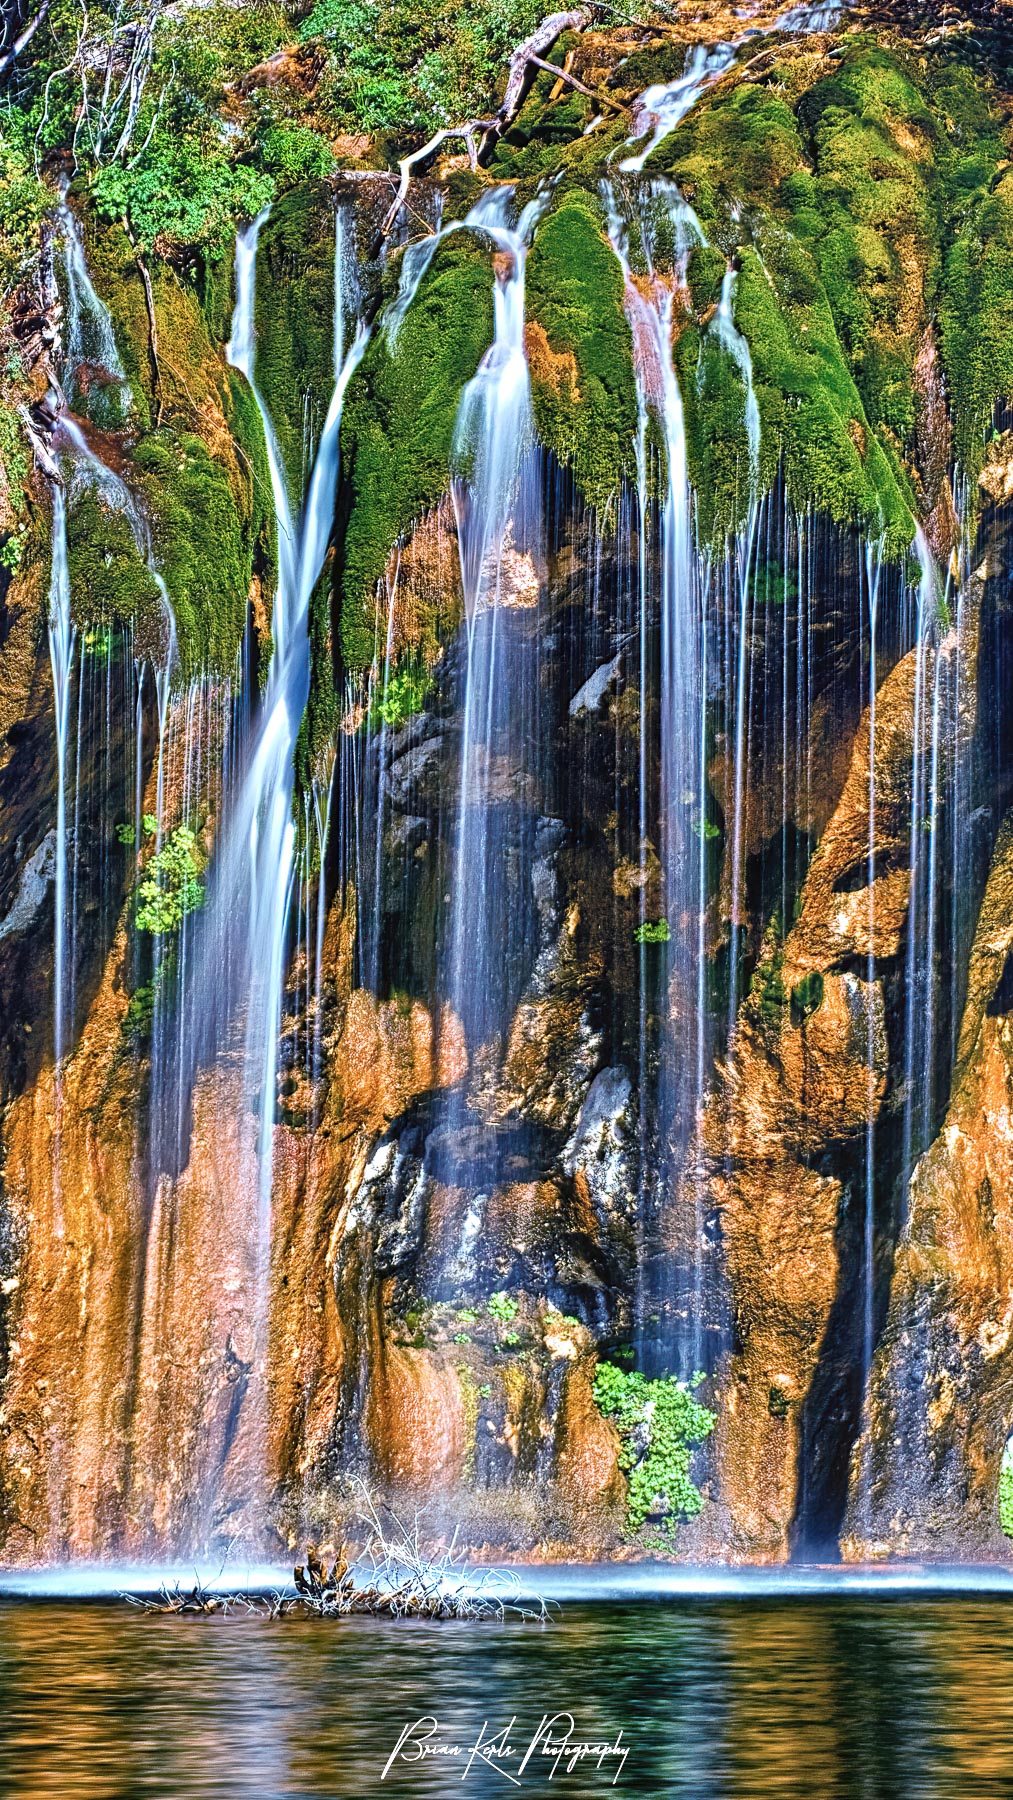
point(497, 503)
point(61, 650)
point(229, 965)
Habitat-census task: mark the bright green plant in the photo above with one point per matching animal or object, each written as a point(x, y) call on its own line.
point(150, 824)
point(171, 887)
point(1006, 1490)
point(502, 1308)
point(659, 1424)
point(12, 550)
point(402, 694)
point(125, 835)
point(652, 931)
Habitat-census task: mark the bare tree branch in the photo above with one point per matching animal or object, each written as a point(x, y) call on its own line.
point(527, 55)
point(24, 37)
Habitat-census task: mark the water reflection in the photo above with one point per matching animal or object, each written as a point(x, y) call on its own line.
point(840, 1700)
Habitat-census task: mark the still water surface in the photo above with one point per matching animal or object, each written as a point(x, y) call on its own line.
point(748, 1699)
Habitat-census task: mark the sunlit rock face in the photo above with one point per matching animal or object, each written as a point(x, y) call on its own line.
point(926, 1469)
point(529, 895)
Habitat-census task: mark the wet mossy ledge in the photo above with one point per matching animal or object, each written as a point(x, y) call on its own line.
point(192, 454)
point(294, 308)
point(398, 425)
point(580, 351)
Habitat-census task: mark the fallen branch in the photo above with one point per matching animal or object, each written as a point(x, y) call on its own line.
point(47, 462)
point(571, 80)
point(395, 1577)
point(527, 55)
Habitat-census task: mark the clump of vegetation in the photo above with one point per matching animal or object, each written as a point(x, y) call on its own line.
point(414, 65)
point(171, 886)
point(652, 931)
point(659, 1423)
point(1006, 1490)
point(502, 1307)
point(399, 697)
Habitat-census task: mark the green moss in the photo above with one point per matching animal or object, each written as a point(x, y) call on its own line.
point(659, 1424)
point(398, 425)
point(110, 582)
point(717, 443)
point(806, 997)
point(583, 387)
point(295, 320)
point(976, 319)
point(809, 405)
point(211, 528)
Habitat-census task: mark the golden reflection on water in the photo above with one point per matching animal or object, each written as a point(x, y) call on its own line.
point(811, 1699)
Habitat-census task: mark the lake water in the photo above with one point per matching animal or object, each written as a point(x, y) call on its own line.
point(807, 1698)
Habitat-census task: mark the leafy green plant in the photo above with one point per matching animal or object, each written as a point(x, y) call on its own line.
point(502, 1308)
point(125, 835)
point(150, 824)
point(171, 887)
point(1006, 1490)
point(652, 931)
point(182, 194)
point(659, 1424)
point(12, 550)
point(400, 696)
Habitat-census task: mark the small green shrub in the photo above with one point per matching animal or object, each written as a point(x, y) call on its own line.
point(659, 1424)
point(1006, 1490)
point(12, 549)
point(402, 695)
point(502, 1308)
point(125, 835)
point(656, 931)
point(171, 887)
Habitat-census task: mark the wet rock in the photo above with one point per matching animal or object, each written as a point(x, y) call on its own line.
point(925, 1473)
point(36, 875)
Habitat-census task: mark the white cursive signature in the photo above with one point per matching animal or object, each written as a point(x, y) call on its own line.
point(555, 1737)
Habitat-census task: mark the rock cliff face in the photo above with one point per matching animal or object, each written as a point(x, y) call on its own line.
point(639, 994)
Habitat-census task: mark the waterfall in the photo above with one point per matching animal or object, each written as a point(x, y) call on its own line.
point(731, 339)
point(61, 650)
point(497, 503)
point(92, 355)
point(667, 102)
point(235, 971)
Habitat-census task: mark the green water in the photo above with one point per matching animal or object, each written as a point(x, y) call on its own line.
point(728, 1700)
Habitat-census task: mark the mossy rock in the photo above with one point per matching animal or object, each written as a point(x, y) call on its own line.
point(717, 442)
point(398, 425)
point(580, 351)
point(294, 307)
point(212, 529)
point(110, 582)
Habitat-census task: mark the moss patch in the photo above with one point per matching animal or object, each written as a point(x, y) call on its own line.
point(295, 321)
point(581, 351)
point(211, 529)
point(110, 582)
point(398, 424)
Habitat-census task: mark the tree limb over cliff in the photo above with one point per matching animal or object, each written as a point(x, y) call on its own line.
point(527, 56)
